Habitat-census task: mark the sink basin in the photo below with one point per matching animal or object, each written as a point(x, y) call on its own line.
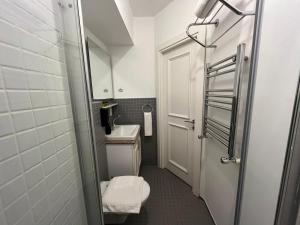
point(123, 133)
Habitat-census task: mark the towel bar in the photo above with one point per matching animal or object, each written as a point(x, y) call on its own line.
point(221, 67)
point(220, 73)
point(218, 139)
point(219, 90)
point(218, 101)
point(226, 132)
point(232, 8)
point(147, 105)
point(217, 122)
point(232, 57)
point(213, 127)
point(218, 107)
point(219, 96)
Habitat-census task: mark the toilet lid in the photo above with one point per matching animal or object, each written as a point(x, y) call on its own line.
point(145, 194)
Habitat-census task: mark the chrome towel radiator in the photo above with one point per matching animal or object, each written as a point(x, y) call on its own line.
point(228, 135)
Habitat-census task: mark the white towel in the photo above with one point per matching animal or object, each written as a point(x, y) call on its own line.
point(148, 123)
point(123, 195)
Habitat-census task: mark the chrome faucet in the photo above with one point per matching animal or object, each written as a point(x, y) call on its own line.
point(114, 120)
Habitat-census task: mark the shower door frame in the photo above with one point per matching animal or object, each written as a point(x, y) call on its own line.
point(289, 197)
point(248, 107)
point(88, 94)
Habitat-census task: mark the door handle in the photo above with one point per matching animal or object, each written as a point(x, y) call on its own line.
point(192, 122)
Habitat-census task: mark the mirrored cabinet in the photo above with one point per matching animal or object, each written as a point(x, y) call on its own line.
point(100, 71)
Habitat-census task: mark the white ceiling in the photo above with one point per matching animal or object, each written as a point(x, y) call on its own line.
point(145, 8)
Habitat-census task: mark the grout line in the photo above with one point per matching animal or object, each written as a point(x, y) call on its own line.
point(34, 16)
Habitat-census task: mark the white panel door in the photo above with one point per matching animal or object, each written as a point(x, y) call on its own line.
point(180, 116)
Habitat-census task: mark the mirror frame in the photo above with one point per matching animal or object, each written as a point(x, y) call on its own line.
point(87, 40)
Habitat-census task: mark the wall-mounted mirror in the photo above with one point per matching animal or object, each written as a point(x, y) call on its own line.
point(100, 72)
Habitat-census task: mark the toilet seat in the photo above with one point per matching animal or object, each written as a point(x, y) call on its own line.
point(115, 218)
point(145, 194)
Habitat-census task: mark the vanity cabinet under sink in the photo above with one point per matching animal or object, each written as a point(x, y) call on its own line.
point(123, 150)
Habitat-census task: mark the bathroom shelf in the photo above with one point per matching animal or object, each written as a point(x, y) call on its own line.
point(210, 6)
point(109, 106)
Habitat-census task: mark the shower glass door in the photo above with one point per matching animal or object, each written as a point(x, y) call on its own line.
point(73, 40)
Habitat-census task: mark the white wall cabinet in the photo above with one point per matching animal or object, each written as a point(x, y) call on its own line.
point(124, 159)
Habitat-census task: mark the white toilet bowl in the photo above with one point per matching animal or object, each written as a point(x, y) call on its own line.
point(115, 218)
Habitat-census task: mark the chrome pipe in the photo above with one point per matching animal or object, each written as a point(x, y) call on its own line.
point(226, 31)
point(220, 73)
point(236, 10)
point(221, 135)
point(219, 90)
point(216, 13)
point(222, 67)
point(218, 96)
point(218, 101)
point(232, 57)
point(218, 107)
point(209, 12)
point(205, 87)
point(195, 39)
point(226, 132)
point(230, 7)
point(236, 99)
point(217, 138)
point(218, 122)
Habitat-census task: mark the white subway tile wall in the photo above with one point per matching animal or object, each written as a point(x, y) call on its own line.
point(40, 182)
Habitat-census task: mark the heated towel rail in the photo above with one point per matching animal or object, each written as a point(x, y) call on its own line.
point(225, 99)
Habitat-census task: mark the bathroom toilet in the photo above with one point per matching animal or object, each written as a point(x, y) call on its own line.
point(118, 218)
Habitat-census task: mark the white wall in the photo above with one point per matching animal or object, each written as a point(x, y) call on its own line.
point(40, 181)
point(173, 20)
point(134, 66)
point(277, 74)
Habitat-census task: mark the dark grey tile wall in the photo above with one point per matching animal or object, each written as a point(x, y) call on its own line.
point(100, 145)
point(131, 112)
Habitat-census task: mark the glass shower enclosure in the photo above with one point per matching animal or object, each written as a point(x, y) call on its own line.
point(81, 96)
